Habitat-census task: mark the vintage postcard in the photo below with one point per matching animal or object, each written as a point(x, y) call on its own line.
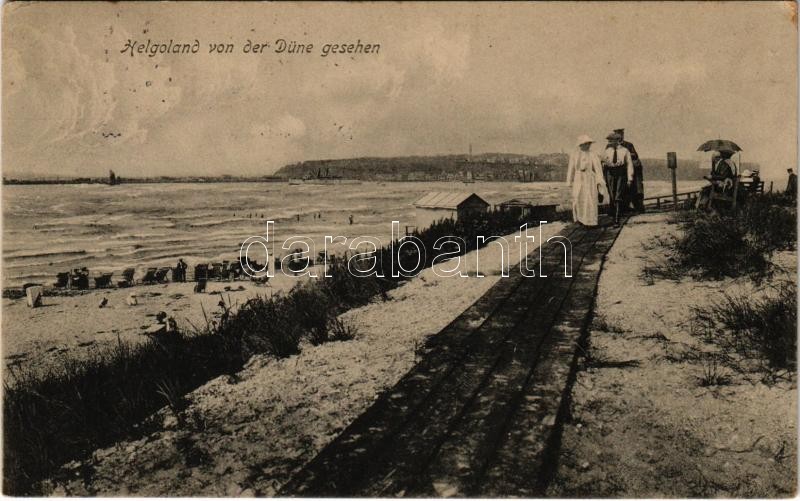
point(410, 249)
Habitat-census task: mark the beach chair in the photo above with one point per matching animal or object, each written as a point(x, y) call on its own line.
point(62, 280)
point(149, 276)
point(161, 275)
point(103, 280)
point(235, 270)
point(201, 272)
point(34, 294)
point(127, 277)
point(215, 271)
point(298, 263)
point(225, 271)
point(80, 279)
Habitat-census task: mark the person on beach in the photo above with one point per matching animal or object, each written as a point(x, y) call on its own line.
point(791, 185)
point(635, 197)
point(180, 271)
point(585, 176)
point(618, 171)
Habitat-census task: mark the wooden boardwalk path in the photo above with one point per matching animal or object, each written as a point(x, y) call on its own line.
point(480, 414)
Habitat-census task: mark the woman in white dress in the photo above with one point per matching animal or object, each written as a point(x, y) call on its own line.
point(585, 176)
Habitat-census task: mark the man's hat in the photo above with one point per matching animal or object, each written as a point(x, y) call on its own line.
point(613, 137)
point(619, 131)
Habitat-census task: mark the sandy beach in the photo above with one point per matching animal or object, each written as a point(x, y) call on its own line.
point(75, 325)
point(251, 432)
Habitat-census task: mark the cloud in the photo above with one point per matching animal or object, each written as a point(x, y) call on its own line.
point(69, 99)
point(59, 90)
point(516, 77)
point(286, 126)
point(662, 77)
point(445, 50)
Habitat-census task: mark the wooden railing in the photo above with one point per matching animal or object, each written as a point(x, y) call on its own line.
point(663, 201)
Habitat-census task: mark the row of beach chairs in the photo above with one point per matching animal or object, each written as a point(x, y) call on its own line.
point(224, 271)
point(155, 275)
point(80, 280)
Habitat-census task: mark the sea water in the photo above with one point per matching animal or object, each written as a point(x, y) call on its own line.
point(53, 228)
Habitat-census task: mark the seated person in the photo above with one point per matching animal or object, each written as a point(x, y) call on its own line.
point(721, 177)
point(749, 181)
point(756, 181)
point(722, 169)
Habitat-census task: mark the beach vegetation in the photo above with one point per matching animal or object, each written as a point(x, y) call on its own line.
point(759, 329)
point(66, 410)
point(726, 244)
point(713, 373)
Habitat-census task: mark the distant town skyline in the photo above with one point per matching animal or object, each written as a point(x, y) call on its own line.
point(505, 77)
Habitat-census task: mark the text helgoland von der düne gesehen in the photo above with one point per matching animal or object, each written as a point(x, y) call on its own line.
point(281, 46)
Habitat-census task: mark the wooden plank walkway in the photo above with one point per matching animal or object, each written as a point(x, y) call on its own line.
point(480, 414)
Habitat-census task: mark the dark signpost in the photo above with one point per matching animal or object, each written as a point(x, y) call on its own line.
point(672, 163)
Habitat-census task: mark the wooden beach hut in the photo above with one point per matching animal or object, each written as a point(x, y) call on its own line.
point(527, 208)
point(455, 205)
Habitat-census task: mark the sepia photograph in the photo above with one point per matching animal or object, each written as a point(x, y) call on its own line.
point(409, 249)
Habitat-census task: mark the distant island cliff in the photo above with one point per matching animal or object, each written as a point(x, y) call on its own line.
point(486, 167)
point(483, 167)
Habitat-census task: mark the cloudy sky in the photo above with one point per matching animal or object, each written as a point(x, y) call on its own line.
point(520, 78)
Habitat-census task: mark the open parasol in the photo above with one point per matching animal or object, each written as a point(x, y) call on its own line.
point(719, 145)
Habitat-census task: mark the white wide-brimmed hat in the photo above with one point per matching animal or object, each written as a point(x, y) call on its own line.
point(583, 139)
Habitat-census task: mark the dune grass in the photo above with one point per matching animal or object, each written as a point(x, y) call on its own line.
point(761, 330)
point(756, 333)
point(725, 244)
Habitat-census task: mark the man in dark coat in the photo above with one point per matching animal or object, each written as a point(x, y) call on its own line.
point(636, 189)
point(791, 185)
point(179, 273)
point(618, 172)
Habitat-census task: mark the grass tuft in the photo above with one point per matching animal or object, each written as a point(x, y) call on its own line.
point(713, 374)
point(762, 331)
